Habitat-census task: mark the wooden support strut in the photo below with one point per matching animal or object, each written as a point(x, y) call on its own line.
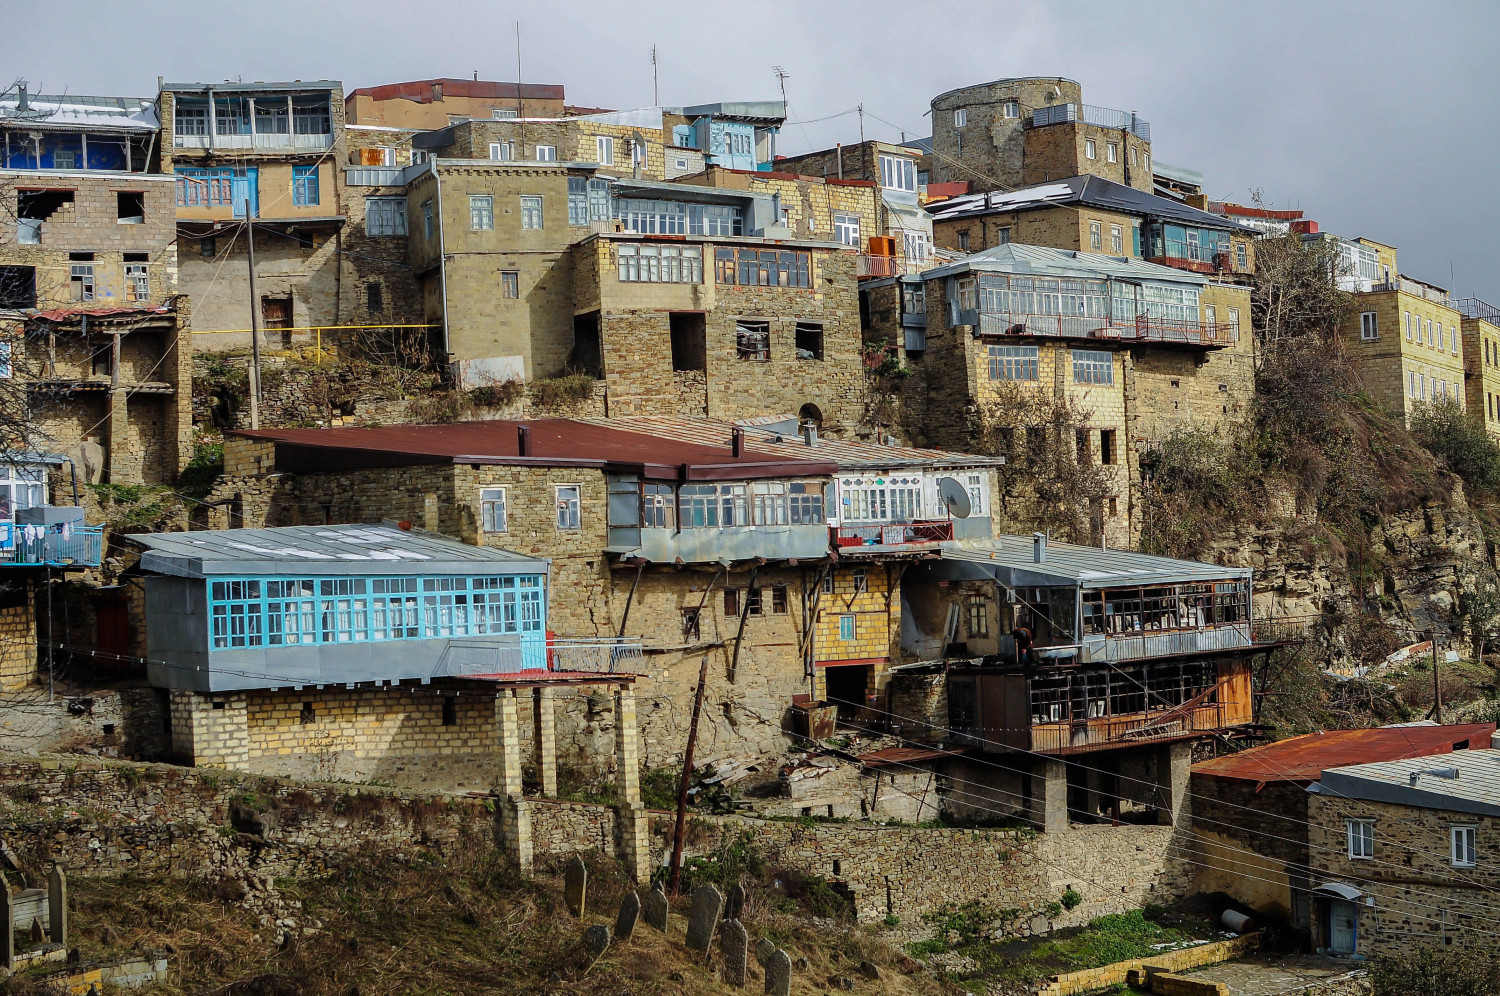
point(630, 599)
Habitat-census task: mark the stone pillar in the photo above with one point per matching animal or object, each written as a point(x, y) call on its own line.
point(546, 740)
point(630, 818)
point(209, 729)
point(116, 431)
point(8, 934)
point(514, 812)
point(1049, 795)
point(1174, 764)
point(57, 906)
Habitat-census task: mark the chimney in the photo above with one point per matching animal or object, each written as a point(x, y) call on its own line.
point(23, 100)
point(809, 434)
point(1305, 227)
point(737, 443)
point(523, 440)
point(1039, 548)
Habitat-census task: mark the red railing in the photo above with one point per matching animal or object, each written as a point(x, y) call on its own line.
point(892, 534)
point(1143, 328)
point(887, 266)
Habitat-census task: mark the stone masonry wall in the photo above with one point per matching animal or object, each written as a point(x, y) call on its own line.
point(17, 643)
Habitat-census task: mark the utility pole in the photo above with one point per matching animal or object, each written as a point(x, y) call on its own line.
point(655, 95)
point(861, 109)
point(1437, 689)
point(254, 324)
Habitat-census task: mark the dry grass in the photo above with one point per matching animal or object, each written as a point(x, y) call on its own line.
point(460, 922)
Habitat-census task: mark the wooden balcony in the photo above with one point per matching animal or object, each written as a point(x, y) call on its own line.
point(1141, 329)
point(849, 539)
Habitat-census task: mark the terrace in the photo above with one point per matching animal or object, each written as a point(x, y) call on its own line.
point(1103, 117)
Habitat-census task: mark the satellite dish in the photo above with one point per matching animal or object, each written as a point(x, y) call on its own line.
point(954, 497)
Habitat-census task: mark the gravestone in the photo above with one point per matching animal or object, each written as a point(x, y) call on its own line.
point(764, 949)
point(779, 974)
point(57, 905)
point(595, 943)
point(630, 912)
point(734, 904)
point(871, 970)
point(38, 932)
point(575, 885)
point(703, 917)
point(655, 908)
point(734, 941)
point(7, 917)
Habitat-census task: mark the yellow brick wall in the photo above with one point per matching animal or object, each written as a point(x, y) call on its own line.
point(1481, 351)
point(1388, 363)
point(1056, 228)
point(876, 612)
point(17, 644)
point(368, 722)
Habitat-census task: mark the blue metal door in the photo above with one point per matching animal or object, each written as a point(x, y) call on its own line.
point(244, 189)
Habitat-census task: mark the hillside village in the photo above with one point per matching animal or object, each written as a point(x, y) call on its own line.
point(958, 543)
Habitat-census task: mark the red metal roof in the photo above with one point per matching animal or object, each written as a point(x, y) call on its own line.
point(1303, 759)
point(421, 90)
point(906, 755)
point(554, 442)
point(63, 314)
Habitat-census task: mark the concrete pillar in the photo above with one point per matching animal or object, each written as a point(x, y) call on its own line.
point(513, 812)
point(1093, 800)
point(546, 740)
point(630, 818)
point(57, 906)
point(1173, 771)
point(1049, 795)
point(210, 729)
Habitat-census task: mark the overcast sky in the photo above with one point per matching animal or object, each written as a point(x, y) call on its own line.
point(1375, 118)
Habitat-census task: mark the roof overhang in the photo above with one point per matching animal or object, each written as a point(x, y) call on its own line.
point(1338, 890)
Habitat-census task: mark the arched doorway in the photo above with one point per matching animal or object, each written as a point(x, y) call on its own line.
point(810, 416)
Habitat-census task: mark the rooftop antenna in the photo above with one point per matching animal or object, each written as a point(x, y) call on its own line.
point(655, 96)
point(520, 111)
point(781, 77)
point(861, 109)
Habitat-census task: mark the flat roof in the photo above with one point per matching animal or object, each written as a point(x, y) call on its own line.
point(67, 111)
point(1090, 566)
point(317, 550)
point(1014, 257)
point(766, 111)
point(420, 91)
point(1091, 191)
point(553, 443)
point(1465, 781)
point(1303, 759)
point(227, 87)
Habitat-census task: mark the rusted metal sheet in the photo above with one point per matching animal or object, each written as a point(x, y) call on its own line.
point(1303, 759)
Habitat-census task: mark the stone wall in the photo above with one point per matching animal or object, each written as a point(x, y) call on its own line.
point(18, 652)
point(1252, 842)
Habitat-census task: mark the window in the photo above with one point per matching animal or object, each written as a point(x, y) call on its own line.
point(1210, 315)
point(310, 116)
point(846, 229)
point(81, 281)
point(691, 625)
point(731, 601)
point(861, 581)
point(1234, 324)
point(492, 510)
point(546, 153)
point(481, 213)
point(206, 248)
point(960, 117)
point(1013, 362)
point(531, 211)
point(1111, 152)
point(1132, 155)
point(1002, 236)
point(959, 139)
point(1407, 320)
point(809, 340)
point(374, 297)
point(1089, 150)
point(762, 267)
point(752, 341)
point(1093, 367)
point(1430, 339)
point(915, 245)
point(1453, 339)
point(130, 207)
point(427, 218)
point(848, 631)
point(1108, 452)
point(510, 284)
point(898, 173)
point(968, 294)
point(450, 710)
point(963, 240)
point(503, 113)
point(588, 200)
point(1117, 240)
point(568, 512)
point(979, 616)
point(660, 264)
point(1361, 838)
point(604, 150)
point(1241, 256)
point(190, 120)
point(753, 603)
point(1012, 108)
point(137, 282)
point(304, 186)
point(385, 216)
point(504, 151)
point(308, 714)
point(1096, 236)
point(1369, 326)
point(658, 506)
point(1441, 338)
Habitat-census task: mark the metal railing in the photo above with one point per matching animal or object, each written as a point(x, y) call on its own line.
point(1413, 287)
point(892, 533)
point(535, 654)
point(888, 266)
point(46, 546)
point(1473, 307)
point(1103, 117)
point(1147, 644)
point(1143, 328)
point(1063, 737)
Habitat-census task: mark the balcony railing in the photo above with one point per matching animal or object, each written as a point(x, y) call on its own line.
point(1143, 328)
point(1166, 643)
point(1071, 736)
point(891, 534)
point(1434, 294)
point(889, 266)
point(1103, 117)
point(535, 655)
point(46, 546)
point(261, 143)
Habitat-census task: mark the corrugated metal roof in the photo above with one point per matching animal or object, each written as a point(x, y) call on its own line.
point(1014, 257)
point(554, 442)
point(314, 550)
point(292, 87)
point(906, 755)
point(1091, 191)
point(1089, 565)
point(1465, 781)
point(776, 435)
point(1303, 759)
point(67, 314)
point(420, 91)
point(81, 112)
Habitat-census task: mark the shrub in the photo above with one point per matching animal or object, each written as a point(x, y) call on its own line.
point(1434, 971)
point(562, 392)
point(1462, 442)
point(1071, 899)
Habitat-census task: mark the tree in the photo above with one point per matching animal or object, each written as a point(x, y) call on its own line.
point(1296, 291)
point(1435, 971)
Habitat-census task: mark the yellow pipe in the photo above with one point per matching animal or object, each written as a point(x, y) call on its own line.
point(309, 328)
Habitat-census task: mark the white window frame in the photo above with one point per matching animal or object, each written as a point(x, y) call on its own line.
point(1012, 109)
point(503, 151)
point(1111, 152)
point(1453, 338)
point(504, 113)
point(481, 213)
point(604, 150)
point(492, 510)
point(961, 117)
point(1406, 317)
point(546, 153)
point(846, 229)
point(1117, 240)
point(1369, 326)
point(427, 221)
point(1096, 236)
point(1360, 836)
point(569, 507)
point(1090, 149)
point(1093, 366)
point(531, 212)
point(898, 173)
point(1463, 846)
point(137, 282)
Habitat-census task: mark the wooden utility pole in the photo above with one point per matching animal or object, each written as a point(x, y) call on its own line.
point(254, 323)
point(1437, 689)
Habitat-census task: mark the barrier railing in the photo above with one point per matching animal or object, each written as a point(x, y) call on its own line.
point(892, 533)
point(48, 546)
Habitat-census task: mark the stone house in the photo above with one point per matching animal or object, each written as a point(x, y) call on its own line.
point(1251, 811)
point(761, 558)
point(427, 105)
point(1017, 132)
point(1480, 331)
point(1403, 855)
point(1140, 349)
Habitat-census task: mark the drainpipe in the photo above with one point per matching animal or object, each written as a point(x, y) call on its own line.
point(442, 254)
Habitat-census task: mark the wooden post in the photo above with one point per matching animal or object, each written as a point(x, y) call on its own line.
point(7, 927)
point(57, 906)
point(1437, 689)
point(254, 323)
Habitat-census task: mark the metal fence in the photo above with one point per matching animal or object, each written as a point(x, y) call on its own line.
point(1142, 328)
point(1103, 117)
point(538, 654)
point(1138, 646)
point(42, 546)
point(1061, 738)
point(1473, 307)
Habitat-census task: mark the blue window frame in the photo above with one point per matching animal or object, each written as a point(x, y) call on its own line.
point(304, 185)
point(246, 613)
